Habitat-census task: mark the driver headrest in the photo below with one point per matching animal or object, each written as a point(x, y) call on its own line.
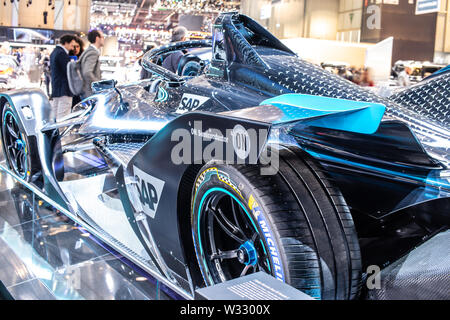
point(184, 60)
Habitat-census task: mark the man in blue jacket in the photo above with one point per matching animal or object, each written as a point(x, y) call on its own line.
point(61, 95)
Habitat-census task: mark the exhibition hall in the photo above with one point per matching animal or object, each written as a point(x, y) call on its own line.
point(225, 150)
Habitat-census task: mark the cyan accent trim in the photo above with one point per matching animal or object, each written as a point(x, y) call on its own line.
point(339, 114)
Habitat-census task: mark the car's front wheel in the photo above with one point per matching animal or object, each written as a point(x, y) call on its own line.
point(17, 146)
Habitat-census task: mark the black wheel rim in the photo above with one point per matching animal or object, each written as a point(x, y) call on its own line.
point(15, 145)
point(230, 242)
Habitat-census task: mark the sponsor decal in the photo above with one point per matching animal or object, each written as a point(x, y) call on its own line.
point(221, 175)
point(273, 250)
point(209, 135)
point(150, 190)
point(238, 146)
point(241, 141)
point(191, 102)
point(162, 95)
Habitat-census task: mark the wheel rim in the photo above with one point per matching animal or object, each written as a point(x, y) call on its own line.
point(15, 145)
point(230, 243)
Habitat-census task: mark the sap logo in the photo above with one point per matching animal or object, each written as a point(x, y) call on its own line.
point(150, 190)
point(191, 102)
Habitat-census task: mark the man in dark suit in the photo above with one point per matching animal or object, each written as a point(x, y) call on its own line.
point(61, 95)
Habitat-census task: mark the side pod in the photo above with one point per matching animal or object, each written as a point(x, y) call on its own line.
point(158, 169)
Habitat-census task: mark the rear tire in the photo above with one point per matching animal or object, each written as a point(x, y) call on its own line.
point(295, 222)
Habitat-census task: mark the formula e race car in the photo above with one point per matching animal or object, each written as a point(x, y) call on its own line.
point(249, 160)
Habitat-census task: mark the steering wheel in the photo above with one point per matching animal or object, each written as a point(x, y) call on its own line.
point(190, 66)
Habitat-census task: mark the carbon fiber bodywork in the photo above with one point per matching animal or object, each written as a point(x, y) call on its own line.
point(404, 280)
point(428, 98)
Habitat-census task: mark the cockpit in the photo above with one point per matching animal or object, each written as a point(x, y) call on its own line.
point(235, 38)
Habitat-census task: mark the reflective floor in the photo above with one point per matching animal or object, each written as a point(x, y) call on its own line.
point(44, 255)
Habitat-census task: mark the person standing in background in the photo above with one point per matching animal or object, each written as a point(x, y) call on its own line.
point(403, 77)
point(18, 54)
point(366, 78)
point(75, 54)
point(78, 49)
point(171, 62)
point(61, 95)
point(45, 62)
point(90, 64)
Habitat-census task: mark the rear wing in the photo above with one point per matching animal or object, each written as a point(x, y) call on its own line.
point(338, 114)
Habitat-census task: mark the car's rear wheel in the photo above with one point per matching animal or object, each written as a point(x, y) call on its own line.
point(293, 225)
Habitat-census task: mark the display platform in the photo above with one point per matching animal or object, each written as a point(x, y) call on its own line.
point(46, 256)
point(255, 286)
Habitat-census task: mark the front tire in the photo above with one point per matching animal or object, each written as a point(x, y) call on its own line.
point(293, 225)
point(17, 146)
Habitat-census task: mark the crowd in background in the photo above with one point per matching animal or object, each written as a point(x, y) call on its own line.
point(359, 76)
point(41, 65)
point(29, 59)
point(198, 5)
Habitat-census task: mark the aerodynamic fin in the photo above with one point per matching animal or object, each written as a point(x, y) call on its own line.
point(338, 114)
point(332, 113)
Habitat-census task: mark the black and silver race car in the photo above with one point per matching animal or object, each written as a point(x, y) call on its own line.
point(252, 160)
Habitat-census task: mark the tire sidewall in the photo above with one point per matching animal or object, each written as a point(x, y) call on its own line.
point(228, 178)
